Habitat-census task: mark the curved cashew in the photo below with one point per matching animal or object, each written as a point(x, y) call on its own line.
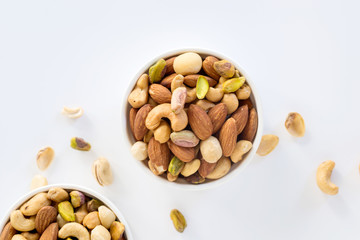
point(31, 207)
point(231, 102)
point(80, 213)
point(139, 96)
point(100, 233)
point(323, 176)
point(20, 223)
point(177, 82)
point(18, 237)
point(31, 236)
point(178, 121)
point(74, 229)
point(73, 112)
point(162, 132)
point(190, 95)
point(214, 94)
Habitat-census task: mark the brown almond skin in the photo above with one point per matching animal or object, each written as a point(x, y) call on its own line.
point(217, 116)
point(139, 123)
point(169, 65)
point(191, 80)
point(206, 168)
point(200, 122)
point(159, 154)
point(8, 232)
point(208, 64)
point(247, 102)
point(250, 129)
point(159, 93)
point(185, 154)
point(44, 218)
point(241, 116)
point(132, 115)
point(166, 82)
point(51, 232)
point(228, 137)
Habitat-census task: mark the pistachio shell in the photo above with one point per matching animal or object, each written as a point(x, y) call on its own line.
point(202, 87)
point(44, 158)
point(102, 171)
point(178, 220)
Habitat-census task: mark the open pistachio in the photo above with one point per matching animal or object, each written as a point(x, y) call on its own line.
point(66, 211)
point(93, 205)
point(44, 158)
point(80, 144)
point(178, 220)
point(157, 71)
point(101, 170)
point(243, 92)
point(295, 124)
point(73, 112)
point(232, 85)
point(175, 166)
point(77, 198)
point(117, 230)
point(224, 68)
point(184, 138)
point(202, 87)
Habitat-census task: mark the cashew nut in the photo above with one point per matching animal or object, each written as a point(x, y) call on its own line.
point(80, 213)
point(31, 207)
point(190, 94)
point(214, 94)
point(20, 223)
point(100, 233)
point(74, 229)
point(73, 112)
point(38, 181)
point(139, 150)
point(162, 132)
point(243, 92)
point(139, 96)
point(18, 237)
point(241, 148)
point(205, 104)
point(178, 121)
point(177, 82)
point(31, 236)
point(107, 217)
point(323, 176)
point(231, 102)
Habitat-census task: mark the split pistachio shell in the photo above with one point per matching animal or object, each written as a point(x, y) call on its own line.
point(202, 87)
point(157, 71)
point(101, 170)
point(77, 198)
point(295, 124)
point(178, 220)
point(184, 138)
point(224, 68)
point(267, 145)
point(191, 167)
point(80, 144)
point(73, 112)
point(232, 85)
point(44, 158)
point(175, 166)
point(38, 181)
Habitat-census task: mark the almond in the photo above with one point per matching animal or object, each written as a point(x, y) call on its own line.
point(217, 116)
point(166, 82)
point(251, 127)
point(206, 168)
point(200, 122)
point(8, 232)
point(159, 93)
point(45, 216)
point(139, 123)
point(132, 115)
point(247, 102)
point(185, 154)
point(51, 232)
point(169, 65)
point(241, 116)
point(159, 155)
point(228, 137)
point(208, 66)
point(191, 80)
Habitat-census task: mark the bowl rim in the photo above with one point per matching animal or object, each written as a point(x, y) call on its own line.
point(87, 191)
point(257, 103)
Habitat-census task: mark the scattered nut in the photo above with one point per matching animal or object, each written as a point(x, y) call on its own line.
point(44, 158)
point(73, 112)
point(187, 63)
point(38, 181)
point(80, 144)
point(77, 198)
point(267, 144)
point(241, 148)
point(323, 176)
point(106, 216)
point(178, 220)
point(295, 124)
point(101, 170)
point(139, 150)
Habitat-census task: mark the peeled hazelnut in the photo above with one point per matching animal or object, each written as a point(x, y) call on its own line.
point(44, 158)
point(139, 151)
point(187, 63)
point(295, 124)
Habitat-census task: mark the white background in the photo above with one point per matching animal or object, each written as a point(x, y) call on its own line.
point(302, 55)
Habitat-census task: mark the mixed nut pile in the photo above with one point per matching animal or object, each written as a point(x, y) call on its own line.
point(64, 215)
point(192, 117)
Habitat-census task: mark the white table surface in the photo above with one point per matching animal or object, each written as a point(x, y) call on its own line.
point(302, 55)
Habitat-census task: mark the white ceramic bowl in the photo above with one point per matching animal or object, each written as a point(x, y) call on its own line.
point(236, 168)
point(86, 191)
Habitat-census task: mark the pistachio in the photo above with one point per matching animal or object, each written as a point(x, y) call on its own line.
point(202, 87)
point(184, 138)
point(178, 220)
point(93, 205)
point(157, 71)
point(267, 144)
point(80, 213)
point(222, 168)
point(195, 178)
point(178, 99)
point(91, 220)
point(241, 148)
point(80, 144)
point(224, 68)
point(44, 158)
point(117, 230)
point(102, 171)
point(66, 211)
point(232, 85)
point(38, 181)
point(295, 124)
point(57, 194)
point(237, 74)
point(148, 135)
point(243, 92)
point(191, 168)
point(175, 166)
point(77, 198)
point(73, 112)
point(139, 150)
